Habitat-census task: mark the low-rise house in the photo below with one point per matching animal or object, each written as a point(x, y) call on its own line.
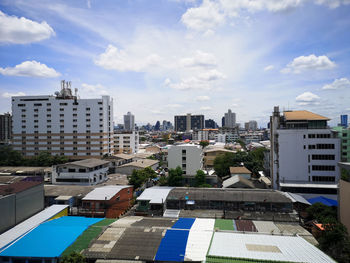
point(137, 165)
point(84, 172)
point(108, 201)
point(237, 181)
point(152, 200)
point(211, 153)
point(241, 171)
point(118, 160)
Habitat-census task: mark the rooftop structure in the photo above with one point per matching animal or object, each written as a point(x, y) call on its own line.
point(105, 192)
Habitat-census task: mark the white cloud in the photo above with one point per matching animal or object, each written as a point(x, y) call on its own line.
point(269, 67)
point(202, 98)
point(204, 17)
point(307, 98)
point(22, 30)
point(200, 59)
point(211, 75)
point(9, 95)
point(121, 60)
point(191, 83)
point(305, 63)
point(30, 69)
point(333, 3)
point(174, 105)
point(206, 108)
point(92, 90)
point(342, 83)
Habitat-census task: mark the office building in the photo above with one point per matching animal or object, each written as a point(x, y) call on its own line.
point(344, 121)
point(344, 136)
point(63, 124)
point(5, 128)
point(129, 122)
point(126, 142)
point(210, 124)
point(230, 119)
point(304, 153)
point(189, 122)
point(187, 156)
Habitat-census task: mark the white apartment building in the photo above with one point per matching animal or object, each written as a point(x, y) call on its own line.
point(126, 142)
point(304, 153)
point(204, 134)
point(63, 124)
point(129, 122)
point(188, 156)
point(226, 137)
point(84, 172)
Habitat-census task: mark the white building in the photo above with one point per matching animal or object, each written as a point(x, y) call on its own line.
point(63, 124)
point(204, 134)
point(251, 125)
point(129, 122)
point(230, 119)
point(304, 153)
point(126, 142)
point(188, 156)
point(84, 172)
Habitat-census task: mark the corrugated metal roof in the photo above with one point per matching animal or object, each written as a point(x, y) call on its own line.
point(32, 222)
point(173, 246)
point(89, 163)
point(199, 239)
point(288, 248)
point(239, 170)
point(296, 198)
point(105, 192)
point(237, 179)
point(266, 227)
point(155, 194)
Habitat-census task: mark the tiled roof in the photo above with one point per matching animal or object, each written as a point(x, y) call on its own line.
point(303, 115)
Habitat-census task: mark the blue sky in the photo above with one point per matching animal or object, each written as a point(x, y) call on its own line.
point(161, 58)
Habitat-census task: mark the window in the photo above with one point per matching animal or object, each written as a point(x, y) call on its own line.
point(87, 114)
point(36, 120)
point(61, 120)
point(71, 170)
point(183, 151)
point(48, 120)
point(75, 126)
point(23, 121)
point(312, 147)
point(36, 126)
point(36, 115)
point(23, 116)
point(63, 104)
point(325, 146)
point(75, 132)
point(23, 110)
point(48, 110)
point(37, 104)
point(323, 168)
point(23, 126)
point(323, 178)
point(88, 125)
point(61, 126)
point(36, 110)
point(101, 108)
point(21, 105)
point(75, 109)
point(48, 115)
point(48, 104)
point(100, 102)
point(61, 115)
point(323, 157)
point(345, 147)
point(87, 108)
point(75, 120)
point(87, 120)
point(61, 109)
point(75, 115)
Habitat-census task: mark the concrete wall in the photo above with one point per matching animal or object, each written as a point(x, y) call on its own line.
point(344, 209)
point(190, 162)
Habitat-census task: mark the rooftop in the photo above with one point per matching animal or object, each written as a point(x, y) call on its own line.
point(155, 194)
point(89, 163)
point(17, 187)
point(239, 170)
point(105, 192)
point(123, 156)
point(235, 179)
point(303, 115)
point(8, 170)
point(143, 163)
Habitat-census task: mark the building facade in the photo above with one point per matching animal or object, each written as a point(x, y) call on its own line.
point(5, 128)
point(304, 153)
point(126, 142)
point(344, 136)
point(210, 124)
point(230, 119)
point(129, 122)
point(63, 125)
point(188, 156)
point(188, 122)
point(251, 125)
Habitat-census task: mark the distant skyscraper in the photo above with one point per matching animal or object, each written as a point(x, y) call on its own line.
point(5, 127)
point(129, 122)
point(210, 124)
point(251, 125)
point(189, 122)
point(230, 119)
point(157, 126)
point(223, 121)
point(344, 121)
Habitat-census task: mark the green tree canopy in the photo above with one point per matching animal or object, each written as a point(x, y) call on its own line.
point(204, 143)
point(175, 177)
point(73, 257)
point(199, 178)
point(139, 177)
point(321, 212)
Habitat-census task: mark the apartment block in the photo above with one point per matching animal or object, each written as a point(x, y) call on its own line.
point(126, 142)
point(129, 122)
point(304, 153)
point(229, 119)
point(188, 156)
point(63, 124)
point(5, 128)
point(189, 122)
point(344, 136)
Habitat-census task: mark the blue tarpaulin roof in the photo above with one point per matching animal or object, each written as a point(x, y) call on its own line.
point(323, 200)
point(184, 223)
point(51, 238)
point(173, 246)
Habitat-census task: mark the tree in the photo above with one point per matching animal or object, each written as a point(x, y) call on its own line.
point(175, 177)
point(223, 162)
point(345, 175)
point(321, 212)
point(199, 178)
point(73, 257)
point(204, 144)
point(139, 177)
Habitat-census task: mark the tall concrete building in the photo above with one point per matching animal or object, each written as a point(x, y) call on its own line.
point(304, 153)
point(230, 119)
point(63, 124)
point(5, 128)
point(129, 122)
point(344, 136)
point(188, 156)
point(189, 122)
point(251, 125)
point(126, 142)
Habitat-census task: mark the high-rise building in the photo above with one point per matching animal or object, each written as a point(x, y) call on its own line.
point(344, 135)
point(129, 122)
point(304, 153)
point(210, 124)
point(5, 127)
point(230, 119)
point(188, 156)
point(126, 142)
point(63, 124)
point(344, 120)
point(251, 125)
point(188, 122)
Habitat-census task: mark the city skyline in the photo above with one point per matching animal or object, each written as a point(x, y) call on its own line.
point(164, 58)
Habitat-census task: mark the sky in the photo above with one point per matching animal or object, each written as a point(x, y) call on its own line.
point(162, 58)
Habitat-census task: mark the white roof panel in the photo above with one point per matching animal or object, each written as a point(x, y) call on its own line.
point(266, 227)
point(266, 247)
point(105, 192)
point(155, 194)
point(27, 225)
point(296, 198)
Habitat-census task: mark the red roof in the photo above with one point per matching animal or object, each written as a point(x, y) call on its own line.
point(17, 187)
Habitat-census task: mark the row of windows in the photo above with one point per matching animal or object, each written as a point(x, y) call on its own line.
point(61, 148)
point(49, 104)
point(323, 157)
point(319, 136)
point(321, 146)
point(323, 168)
point(323, 178)
point(61, 131)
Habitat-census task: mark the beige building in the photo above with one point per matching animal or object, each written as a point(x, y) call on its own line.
point(211, 154)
